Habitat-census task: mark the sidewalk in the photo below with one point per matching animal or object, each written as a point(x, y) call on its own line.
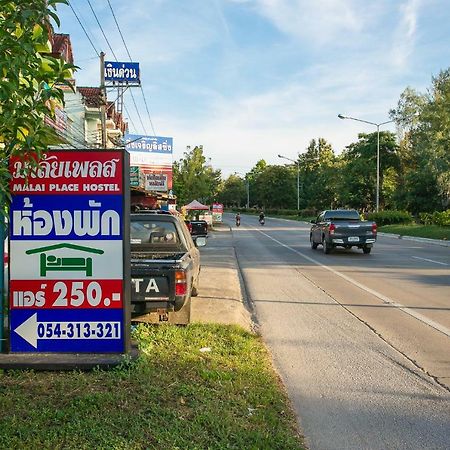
point(220, 298)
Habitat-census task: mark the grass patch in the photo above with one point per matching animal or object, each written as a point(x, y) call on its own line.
point(172, 397)
point(426, 231)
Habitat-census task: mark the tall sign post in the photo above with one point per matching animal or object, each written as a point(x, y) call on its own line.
point(103, 93)
point(69, 255)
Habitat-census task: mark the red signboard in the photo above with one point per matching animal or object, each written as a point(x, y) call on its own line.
point(217, 208)
point(71, 173)
point(57, 294)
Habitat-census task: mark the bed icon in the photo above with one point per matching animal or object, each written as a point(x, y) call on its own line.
point(50, 262)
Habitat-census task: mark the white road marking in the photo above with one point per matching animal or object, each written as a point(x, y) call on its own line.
point(383, 298)
point(429, 260)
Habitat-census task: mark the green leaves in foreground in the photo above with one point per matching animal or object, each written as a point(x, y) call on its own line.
point(196, 387)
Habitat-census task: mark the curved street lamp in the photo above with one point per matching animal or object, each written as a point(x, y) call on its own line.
point(298, 178)
point(378, 150)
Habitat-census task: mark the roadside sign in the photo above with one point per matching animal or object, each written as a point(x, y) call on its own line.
point(68, 287)
point(123, 72)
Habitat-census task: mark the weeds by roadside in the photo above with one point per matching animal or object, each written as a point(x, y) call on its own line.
point(194, 387)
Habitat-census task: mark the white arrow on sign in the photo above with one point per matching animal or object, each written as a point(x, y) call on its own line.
point(28, 330)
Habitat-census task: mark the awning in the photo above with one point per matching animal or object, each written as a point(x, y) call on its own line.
point(196, 205)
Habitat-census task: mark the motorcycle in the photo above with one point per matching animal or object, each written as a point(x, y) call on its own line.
point(238, 221)
point(262, 221)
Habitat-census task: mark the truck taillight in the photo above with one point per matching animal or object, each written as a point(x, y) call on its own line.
point(332, 228)
point(374, 228)
point(180, 282)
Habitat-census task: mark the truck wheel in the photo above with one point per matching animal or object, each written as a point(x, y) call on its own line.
point(313, 244)
point(367, 250)
point(194, 291)
point(326, 247)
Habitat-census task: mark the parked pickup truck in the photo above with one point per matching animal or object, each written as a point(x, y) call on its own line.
point(197, 227)
point(165, 268)
point(342, 228)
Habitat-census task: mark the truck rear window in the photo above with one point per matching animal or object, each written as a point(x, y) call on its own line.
point(144, 232)
point(342, 215)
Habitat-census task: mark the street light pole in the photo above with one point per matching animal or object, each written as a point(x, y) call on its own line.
point(378, 151)
point(298, 178)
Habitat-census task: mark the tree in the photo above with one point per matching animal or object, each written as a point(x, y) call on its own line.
point(276, 187)
point(318, 175)
point(29, 81)
point(357, 182)
point(425, 147)
point(233, 191)
point(194, 179)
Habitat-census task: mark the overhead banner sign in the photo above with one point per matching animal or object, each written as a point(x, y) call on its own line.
point(122, 72)
point(153, 155)
point(67, 283)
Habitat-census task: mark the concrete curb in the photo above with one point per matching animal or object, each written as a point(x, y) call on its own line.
point(221, 292)
point(416, 239)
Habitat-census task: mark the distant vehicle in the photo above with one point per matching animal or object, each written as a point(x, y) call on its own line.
point(238, 220)
point(165, 267)
point(262, 219)
point(342, 228)
point(197, 227)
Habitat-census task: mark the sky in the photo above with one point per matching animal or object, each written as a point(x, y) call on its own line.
point(251, 79)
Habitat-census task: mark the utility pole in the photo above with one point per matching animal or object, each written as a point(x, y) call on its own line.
point(2, 273)
point(103, 96)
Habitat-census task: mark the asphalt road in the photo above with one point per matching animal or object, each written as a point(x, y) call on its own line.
point(362, 342)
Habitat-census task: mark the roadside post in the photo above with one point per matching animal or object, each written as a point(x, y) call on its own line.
point(2, 277)
point(69, 254)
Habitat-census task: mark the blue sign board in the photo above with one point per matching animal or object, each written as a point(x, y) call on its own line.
point(82, 330)
point(146, 144)
point(123, 72)
point(53, 217)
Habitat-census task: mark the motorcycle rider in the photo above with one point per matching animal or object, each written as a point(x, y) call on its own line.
point(261, 217)
point(238, 219)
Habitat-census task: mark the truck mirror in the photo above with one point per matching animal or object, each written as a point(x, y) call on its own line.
point(200, 241)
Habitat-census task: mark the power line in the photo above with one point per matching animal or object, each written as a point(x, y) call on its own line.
point(101, 29)
point(131, 59)
point(84, 29)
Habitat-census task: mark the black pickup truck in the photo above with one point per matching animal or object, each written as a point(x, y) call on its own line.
point(342, 228)
point(165, 268)
point(197, 227)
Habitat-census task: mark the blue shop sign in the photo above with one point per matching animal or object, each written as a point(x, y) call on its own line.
point(50, 217)
point(79, 331)
point(122, 71)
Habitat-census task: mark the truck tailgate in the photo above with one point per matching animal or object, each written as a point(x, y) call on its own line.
point(352, 229)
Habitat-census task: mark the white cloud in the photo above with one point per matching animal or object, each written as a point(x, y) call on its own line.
point(404, 40)
point(319, 21)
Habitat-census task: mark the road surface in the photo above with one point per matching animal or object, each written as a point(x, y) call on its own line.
point(362, 342)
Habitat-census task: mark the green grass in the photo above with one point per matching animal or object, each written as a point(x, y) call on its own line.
point(173, 397)
point(426, 231)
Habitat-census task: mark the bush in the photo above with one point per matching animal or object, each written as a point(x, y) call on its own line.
point(390, 217)
point(437, 218)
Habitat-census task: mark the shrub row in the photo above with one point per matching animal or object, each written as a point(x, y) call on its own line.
point(390, 217)
point(436, 218)
point(381, 217)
